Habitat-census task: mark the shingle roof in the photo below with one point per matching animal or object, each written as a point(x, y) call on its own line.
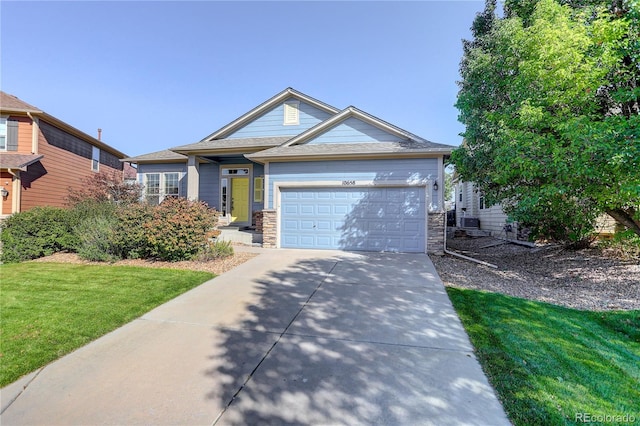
point(11, 103)
point(355, 149)
point(164, 155)
point(17, 161)
point(225, 144)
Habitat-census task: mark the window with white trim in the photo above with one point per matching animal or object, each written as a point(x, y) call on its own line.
point(158, 186)
point(291, 113)
point(95, 159)
point(3, 133)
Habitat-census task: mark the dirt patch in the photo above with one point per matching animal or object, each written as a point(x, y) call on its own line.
point(580, 279)
point(217, 267)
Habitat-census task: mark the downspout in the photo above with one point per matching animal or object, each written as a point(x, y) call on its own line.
point(462, 256)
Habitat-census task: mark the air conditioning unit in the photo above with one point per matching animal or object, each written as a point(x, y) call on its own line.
point(470, 222)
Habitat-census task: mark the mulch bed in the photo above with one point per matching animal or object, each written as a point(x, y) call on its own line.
point(582, 279)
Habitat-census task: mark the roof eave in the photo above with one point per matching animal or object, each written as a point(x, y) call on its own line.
point(347, 156)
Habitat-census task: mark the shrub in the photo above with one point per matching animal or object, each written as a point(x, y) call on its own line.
point(131, 239)
point(95, 238)
point(624, 244)
point(215, 250)
point(105, 187)
point(38, 232)
point(179, 228)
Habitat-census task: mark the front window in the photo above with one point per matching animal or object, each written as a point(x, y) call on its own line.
point(152, 188)
point(171, 184)
point(3, 133)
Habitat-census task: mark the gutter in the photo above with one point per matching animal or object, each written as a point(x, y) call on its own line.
point(461, 256)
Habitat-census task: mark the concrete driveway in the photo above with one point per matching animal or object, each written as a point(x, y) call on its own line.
point(290, 337)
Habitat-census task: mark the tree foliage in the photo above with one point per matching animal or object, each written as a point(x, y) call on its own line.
point(550, 99)
point(105, 187)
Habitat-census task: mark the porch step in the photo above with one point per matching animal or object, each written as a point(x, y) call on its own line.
point(240, 235)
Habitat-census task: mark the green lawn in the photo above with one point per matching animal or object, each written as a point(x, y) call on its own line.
point(48, 309)
point(552, 365)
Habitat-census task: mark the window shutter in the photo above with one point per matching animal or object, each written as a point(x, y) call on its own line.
point(12, 135)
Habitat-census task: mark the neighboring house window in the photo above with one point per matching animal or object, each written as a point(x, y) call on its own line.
point(291, 113)
point(158, 186)
point(95, 159)
point(258, 189)
point(3, 133)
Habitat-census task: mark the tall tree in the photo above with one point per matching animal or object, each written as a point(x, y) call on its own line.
point(549, 97)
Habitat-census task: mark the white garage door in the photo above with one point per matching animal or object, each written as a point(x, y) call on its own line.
point(369, 219)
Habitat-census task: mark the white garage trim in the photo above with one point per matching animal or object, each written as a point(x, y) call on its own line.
point(425, 184)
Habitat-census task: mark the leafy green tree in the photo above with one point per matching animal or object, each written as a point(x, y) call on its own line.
point(550, 99)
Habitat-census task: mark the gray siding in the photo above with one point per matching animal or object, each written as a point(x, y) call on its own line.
point(209, 189)
point(379, 171)
point(165, 168)
point(354, 130)
point(271, 122)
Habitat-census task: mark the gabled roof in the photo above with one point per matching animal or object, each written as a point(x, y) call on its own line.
point(10, 160)
point(10, 103)
point(266, 106)
point(345, 114)
point(157, 157)
point(238, 145)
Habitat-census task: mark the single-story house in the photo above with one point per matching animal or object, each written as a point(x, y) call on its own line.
point(41, 157)
point(313, 176)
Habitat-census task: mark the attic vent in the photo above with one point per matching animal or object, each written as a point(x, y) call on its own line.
point(291, 115)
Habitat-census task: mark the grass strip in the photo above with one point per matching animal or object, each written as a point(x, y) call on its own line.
point(552, 365)
point(48, 310)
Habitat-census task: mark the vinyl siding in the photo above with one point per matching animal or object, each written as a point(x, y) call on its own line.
point(271, 122)
point(25, 134)
point(354, 130)
point(209, 190)
point(379, 171)
point(6, 182)
point(47, 182)
point(165, 168)
point(493, 219)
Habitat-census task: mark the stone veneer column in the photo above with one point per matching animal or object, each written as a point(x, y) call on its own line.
point(269, 228)
point(435, 239)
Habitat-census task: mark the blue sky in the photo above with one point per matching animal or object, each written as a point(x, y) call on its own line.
point(154, 75)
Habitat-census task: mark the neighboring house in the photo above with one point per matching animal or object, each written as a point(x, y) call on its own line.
point(473, 213)
point(41, 157)
point(311, 176)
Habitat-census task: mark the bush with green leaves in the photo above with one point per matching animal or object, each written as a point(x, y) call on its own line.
point(96, 238)
point(38, 232)
point(179, 228)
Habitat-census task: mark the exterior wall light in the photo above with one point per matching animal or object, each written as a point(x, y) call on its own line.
point(4, 192)
point(435, 185)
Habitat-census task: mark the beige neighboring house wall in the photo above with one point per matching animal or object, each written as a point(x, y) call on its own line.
point(494, 220)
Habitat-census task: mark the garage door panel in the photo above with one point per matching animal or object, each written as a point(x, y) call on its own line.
point(376, 219)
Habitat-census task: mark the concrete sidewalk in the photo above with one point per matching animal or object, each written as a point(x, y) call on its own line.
point(290, 337)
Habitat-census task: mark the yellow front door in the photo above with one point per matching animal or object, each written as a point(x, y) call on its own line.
point(240, 200)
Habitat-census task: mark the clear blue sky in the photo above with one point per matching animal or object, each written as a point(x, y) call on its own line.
point(154, 75)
